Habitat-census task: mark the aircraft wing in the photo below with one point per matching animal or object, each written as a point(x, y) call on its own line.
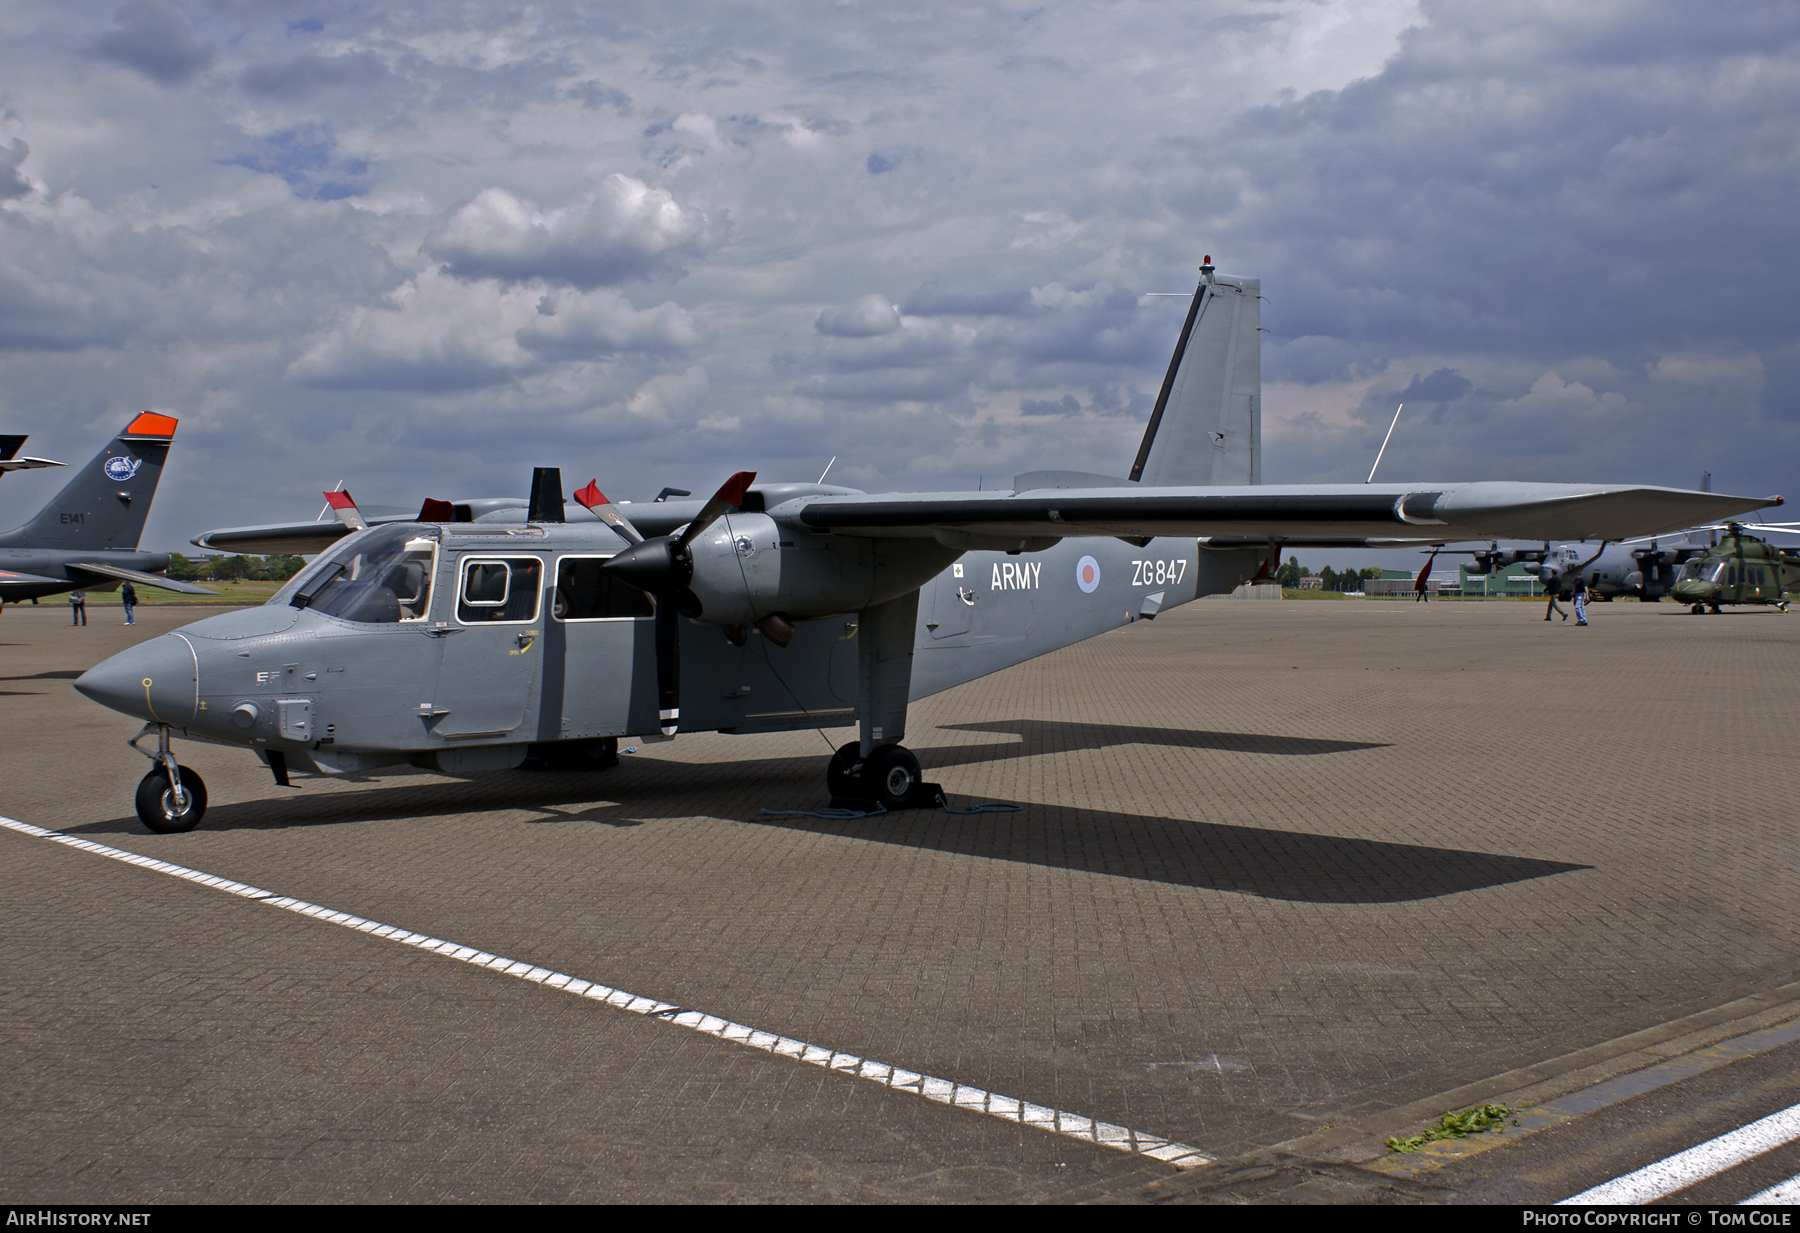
point(1347, 514)
point(25, 464)
point(304, 538)
point(14, 576)
point(137, 576)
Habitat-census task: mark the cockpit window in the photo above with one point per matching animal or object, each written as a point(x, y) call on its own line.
point(379, 577)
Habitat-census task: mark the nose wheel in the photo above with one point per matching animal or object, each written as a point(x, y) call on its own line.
point(890, 777)
point(165, 810)
point(171, 798)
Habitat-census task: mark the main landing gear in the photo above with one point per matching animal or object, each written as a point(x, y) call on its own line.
point(889, 777)
point(171, 798)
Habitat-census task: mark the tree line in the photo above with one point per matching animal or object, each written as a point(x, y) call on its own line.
point(1289, 575)
point(274, 568)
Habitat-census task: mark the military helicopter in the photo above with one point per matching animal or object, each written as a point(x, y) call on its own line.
point(1740, 569)
point(462, 641)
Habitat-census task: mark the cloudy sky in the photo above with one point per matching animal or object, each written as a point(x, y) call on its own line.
point(421, 249)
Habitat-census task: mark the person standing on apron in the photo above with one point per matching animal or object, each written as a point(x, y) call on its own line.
point(128, 597)
point(78, 607)
point(1581, 596)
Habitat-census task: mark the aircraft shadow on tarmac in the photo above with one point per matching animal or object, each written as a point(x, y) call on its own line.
point(1038, 736)
point(1254, 860)
point(35, 676)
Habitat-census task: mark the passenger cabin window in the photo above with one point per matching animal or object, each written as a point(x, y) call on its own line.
point(381, 577)
point(499, 590)
point(585, 592)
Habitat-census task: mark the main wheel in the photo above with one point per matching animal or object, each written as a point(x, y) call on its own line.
point(1698, 610)
point(156, 801)
point(840, 779)
point(893, 772)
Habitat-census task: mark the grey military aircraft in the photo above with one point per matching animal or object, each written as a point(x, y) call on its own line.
point(463, 640)
point(87, 536)
point(1645, 568)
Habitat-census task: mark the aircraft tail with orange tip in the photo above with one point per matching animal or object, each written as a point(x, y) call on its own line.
point(107, 499)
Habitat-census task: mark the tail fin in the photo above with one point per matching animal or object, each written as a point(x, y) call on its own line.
point(106, 501)
point(1207, 426)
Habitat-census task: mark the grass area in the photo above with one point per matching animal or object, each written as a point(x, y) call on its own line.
point(1297, 593)
point(228, 593)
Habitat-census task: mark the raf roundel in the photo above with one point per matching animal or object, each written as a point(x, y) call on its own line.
point(121, 468)
point(1087, 575)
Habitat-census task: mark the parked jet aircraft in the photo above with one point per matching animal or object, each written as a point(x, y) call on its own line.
point(462, 641)
point(87, 536)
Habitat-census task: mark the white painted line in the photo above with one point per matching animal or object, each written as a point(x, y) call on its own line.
point(1785, 1194)
point(1683, 1169)
point(941, 1091)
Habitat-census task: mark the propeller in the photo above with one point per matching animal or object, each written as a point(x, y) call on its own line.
point(1425, 574)
point(662, 568)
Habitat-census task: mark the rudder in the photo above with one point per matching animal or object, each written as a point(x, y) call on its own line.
point(1207, 425)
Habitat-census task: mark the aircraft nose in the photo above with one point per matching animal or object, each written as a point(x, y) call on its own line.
point(158, 680)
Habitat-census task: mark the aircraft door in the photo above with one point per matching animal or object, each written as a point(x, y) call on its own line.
point(490, 675)
point(599, 655)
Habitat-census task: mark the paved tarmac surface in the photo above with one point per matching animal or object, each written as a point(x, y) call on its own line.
point(1281, 867)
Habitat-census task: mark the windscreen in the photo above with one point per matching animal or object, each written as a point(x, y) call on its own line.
point(378, 577)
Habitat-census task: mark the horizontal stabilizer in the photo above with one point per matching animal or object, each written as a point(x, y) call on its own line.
point(137, 576)
point(27, 464)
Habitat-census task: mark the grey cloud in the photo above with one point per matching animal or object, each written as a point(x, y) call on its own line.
point(1444, 385)
point(626, 231)
point(585, 327)
point(157, 41)
point(595, 94)
point(12, 181)
point(932, 299)
point(865, 317)
point(300, 76)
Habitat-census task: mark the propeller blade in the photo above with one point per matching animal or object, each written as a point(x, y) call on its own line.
point(345, 507)
point(668, 665)
point(729, 496)
point(435, 510)
point(606, 511)
point(1425, 573)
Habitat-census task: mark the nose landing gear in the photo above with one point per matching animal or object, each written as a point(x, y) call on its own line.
point(171, 798)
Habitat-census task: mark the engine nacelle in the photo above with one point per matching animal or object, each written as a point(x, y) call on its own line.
point(748, 566)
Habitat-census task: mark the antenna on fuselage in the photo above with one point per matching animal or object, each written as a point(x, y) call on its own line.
point(1384, 443)
point(827, 470)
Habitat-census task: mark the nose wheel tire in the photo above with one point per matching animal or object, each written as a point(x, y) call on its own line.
point(156, 806)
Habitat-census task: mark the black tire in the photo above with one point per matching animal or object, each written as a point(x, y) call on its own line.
point(1698, 610)
point(839, 779)
point(893, 773)
point(156, 802)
